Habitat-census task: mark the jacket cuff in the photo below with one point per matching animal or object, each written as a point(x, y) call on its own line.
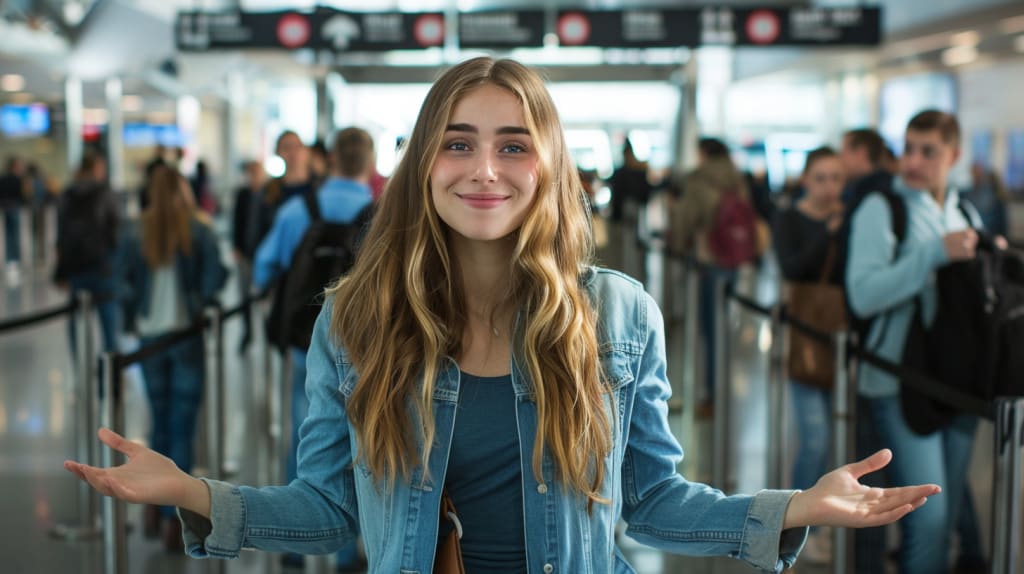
point(221, 535)
point(765, 545)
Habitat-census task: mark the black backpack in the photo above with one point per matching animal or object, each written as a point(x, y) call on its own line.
point(858, 324)
point(975, 344)
point(87, 234)
point(327, 251)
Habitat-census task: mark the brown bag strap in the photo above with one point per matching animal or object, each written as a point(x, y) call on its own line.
point(448, 513)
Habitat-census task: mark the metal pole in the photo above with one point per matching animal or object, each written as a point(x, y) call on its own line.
point(722, 398)
point(776, 450)
point(843, 394)
point(214, 393)
point(85, 404)
point(1006, 499)
point(275, 416)
point(690, 372)
point(115, 545)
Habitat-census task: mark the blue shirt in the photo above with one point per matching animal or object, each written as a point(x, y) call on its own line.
point(335, 498)
point(883, 284)
point(340, 201)
point(485, 476)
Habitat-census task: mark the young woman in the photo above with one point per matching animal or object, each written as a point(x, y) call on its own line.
point(171, 268)
point(805, 242)
point(473, 351)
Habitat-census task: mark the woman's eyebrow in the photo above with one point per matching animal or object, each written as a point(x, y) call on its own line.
point(470, 128)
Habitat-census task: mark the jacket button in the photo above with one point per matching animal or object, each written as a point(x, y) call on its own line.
point(548, 569)
point(543, 489)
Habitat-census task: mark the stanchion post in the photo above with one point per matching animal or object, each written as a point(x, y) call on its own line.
point(722, 398)
point(273, 393)
point(86, 415)
point(843, 396)
point(215, 428)
point(776, 450)
point(691, 367)
point(1006, 499)
point(115, 544)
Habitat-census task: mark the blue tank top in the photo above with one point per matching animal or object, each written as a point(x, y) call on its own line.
point(484, 477)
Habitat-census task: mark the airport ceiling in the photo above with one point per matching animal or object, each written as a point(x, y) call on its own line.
point(43, 40)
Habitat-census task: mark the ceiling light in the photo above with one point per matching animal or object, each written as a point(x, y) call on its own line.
point(73, 13)
point(968, 38)
point(959, 55)
point(12, 82)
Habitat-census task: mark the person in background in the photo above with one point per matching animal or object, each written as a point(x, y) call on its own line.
point(341, 199)
point(630, 187)
point(171, 269)
point(319, 161)
point(474, 356)
point(245, 221)
point(884, 283)
point(805, 242)
point(863, 154)
point(88, 225)
point(989, 196)
point(13, 190)
point(41, 199)
point(159, 159)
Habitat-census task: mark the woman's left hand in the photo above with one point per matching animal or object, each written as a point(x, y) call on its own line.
point(839, 499)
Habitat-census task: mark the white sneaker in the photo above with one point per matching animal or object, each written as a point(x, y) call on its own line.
point(818, 549)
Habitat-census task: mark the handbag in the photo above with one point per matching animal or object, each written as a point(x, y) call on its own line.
point(822, 307)
point(449, 552)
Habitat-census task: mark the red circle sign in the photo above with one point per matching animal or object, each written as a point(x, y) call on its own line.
point(429, 30)
point(293, 31)
point(573, 29)
point(763, 27)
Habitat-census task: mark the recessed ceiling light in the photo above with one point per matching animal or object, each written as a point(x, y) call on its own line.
point(959, 55)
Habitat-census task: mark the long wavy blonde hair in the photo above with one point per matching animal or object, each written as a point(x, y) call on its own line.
point(402, 311)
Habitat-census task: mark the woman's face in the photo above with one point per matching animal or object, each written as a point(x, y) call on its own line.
point(824, 180)
point(485, 175)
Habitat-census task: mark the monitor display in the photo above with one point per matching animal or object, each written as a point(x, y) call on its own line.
point(24, 120)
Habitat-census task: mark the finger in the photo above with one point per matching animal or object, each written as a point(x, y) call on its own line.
point(118, 442)
point(94, 477)
point(870, 464)
point(73, 468)
point(896, 497)
point(889, 516)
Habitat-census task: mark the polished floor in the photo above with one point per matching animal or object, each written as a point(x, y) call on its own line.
point(38, 431)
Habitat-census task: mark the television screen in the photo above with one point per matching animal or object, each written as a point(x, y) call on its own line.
point(26, 120)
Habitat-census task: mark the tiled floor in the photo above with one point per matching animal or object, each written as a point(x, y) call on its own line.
point(37, 432)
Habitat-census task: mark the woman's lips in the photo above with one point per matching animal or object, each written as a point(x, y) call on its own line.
point(483, 201)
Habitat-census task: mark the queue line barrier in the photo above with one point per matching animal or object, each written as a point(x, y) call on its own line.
point(1006, 412)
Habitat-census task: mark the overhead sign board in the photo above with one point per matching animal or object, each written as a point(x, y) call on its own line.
point(504, 29)
point(322, 29)
point(330, 29)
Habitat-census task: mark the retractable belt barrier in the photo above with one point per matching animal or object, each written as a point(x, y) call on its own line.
point(1006, 412)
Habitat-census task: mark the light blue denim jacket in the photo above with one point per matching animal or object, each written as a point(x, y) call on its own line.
point(332, 500)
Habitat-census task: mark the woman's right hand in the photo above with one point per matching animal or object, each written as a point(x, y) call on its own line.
point(147, 478)
point(960, 245)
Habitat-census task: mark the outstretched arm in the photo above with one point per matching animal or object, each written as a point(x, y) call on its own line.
point(839, 499)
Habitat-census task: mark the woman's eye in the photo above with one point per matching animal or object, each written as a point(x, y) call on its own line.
point(457, 146)
point(513, 148)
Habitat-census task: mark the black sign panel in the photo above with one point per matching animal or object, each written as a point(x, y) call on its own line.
point(628, 28)
point(507, 29)
point(324, 28)
point(807, 26)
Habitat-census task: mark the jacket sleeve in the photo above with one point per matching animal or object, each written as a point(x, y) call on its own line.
point(666, 511)
point(876, 278)
point(315, 514)
point(215, 273)
point(801, 255)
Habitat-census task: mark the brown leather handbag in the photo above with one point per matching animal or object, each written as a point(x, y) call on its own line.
point(819, 305)
point(449, 552)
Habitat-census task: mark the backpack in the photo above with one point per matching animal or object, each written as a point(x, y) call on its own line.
point(974, 343)
point(732, 239)
point(86, 233)
point(327, 251)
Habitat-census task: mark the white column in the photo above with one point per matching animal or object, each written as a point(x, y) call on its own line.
point(115, 133)
point(73, 121)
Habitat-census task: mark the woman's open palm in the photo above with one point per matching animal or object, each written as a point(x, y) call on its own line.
point(147, 477)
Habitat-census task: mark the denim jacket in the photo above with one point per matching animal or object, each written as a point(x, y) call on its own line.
point(332, 501)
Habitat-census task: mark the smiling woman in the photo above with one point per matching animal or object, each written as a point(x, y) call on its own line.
point(474, 356)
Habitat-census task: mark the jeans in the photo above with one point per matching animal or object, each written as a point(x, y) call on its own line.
point(940, 458)
point(869, 544)
point(300, 407)
point(811, 406)
point(101, 287)
point(12, 234)
point(174, 383)
point(708, 282)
